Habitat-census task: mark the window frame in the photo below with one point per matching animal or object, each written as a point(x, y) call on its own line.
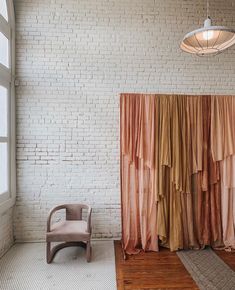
point(7, 79)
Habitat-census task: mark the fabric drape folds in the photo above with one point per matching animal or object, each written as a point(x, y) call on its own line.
point(138, 176)
point(177, 171)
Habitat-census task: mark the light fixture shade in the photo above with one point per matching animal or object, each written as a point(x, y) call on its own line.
point(209, 40)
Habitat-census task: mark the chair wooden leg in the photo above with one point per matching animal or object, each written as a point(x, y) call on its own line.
point(48, 253)
point(88, 251)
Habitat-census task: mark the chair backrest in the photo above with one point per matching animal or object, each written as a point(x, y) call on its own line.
point(74, 211)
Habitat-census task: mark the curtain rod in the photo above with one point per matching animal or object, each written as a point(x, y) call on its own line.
point(174, 94)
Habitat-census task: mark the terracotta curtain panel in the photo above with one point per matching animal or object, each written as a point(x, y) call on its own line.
point(177, 171)
point(138, 173)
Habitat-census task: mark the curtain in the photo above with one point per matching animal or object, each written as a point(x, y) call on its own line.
point(177, 171)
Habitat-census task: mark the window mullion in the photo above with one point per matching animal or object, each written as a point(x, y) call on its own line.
point(4, 139)
point(5, 27)
point(5, 76)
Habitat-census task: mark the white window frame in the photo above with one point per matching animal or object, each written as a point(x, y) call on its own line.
point(7, 79)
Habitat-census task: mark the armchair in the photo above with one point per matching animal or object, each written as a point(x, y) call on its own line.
point(72, 232)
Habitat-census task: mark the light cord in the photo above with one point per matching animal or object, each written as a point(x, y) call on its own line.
point(207, 9)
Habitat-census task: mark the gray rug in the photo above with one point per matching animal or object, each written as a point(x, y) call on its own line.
point(208, 270)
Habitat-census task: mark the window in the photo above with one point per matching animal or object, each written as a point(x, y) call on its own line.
point(7, 102)
point(4, 143)
point(4, 48)
point(3, 9)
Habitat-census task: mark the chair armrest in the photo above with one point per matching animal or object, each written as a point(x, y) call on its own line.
point(59, 207)
point(89, 219)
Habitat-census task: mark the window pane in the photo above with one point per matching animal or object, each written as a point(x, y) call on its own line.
point(3, 168)
point(3, 112)
point(4, 56)
point(3, 9)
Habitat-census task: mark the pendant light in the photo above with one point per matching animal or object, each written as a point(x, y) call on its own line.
point(208, 40)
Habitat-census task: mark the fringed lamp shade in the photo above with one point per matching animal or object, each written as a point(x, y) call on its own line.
point(209, 40)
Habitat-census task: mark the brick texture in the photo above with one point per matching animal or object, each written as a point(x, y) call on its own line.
point(73, 58)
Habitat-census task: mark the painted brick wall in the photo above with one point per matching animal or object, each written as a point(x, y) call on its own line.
point(6, 231)
point(73, 58)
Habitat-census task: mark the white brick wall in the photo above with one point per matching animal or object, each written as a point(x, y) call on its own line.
point(73, 58)
point(6, 231)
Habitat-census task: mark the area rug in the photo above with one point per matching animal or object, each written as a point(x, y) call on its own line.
point(24, 267)
point(208, 270)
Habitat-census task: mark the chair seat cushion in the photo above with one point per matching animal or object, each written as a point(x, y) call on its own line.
point(65, 231)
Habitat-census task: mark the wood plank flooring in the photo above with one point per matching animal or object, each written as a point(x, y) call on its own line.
point(151, 271)
point(156, 271)
point(228, 258)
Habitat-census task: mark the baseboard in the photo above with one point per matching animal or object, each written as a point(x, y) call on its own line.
point(6, 250)
point(43, 241)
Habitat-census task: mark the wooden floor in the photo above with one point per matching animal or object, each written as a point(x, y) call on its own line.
point(152, 271)
point(228, 258)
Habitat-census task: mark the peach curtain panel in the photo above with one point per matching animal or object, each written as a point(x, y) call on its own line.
point(177, 171)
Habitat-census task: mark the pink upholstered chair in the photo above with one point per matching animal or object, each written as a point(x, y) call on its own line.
point(73, 231)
